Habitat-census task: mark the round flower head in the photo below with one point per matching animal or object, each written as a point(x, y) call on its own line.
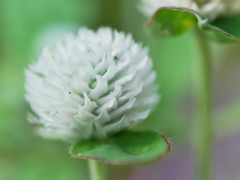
point(210, 8)
point(90, 85)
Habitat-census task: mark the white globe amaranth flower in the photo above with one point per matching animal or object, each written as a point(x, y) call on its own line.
point(90, 85)
point(210, 8)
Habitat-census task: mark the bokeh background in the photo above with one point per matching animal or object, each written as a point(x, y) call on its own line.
point(26, 25)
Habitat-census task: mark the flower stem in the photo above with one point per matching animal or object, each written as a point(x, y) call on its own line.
point(202, 128)
point(97, 170)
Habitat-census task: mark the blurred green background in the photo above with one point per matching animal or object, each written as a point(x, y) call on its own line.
point(25, 25)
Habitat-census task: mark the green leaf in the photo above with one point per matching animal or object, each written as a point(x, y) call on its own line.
point(126, 147)
point(230, 25)
point(172, 21)
point(168, 21)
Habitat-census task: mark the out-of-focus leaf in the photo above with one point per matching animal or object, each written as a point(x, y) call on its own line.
point(169, 21)
point(230, 25)
point(127, 147)
point(172, 21)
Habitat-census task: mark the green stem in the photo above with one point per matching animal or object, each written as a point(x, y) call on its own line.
point(202, 129)
point(97, 170)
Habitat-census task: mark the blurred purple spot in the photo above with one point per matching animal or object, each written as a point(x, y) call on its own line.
point(178, 165)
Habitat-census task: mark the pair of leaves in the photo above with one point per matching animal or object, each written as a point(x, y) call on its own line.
point(171, 21)
point(126, 147)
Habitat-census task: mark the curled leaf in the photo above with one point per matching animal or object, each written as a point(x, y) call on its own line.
point(172, 21)
point(127, 147)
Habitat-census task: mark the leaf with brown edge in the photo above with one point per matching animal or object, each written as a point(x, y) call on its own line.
point(172, 21)
point(126, 147)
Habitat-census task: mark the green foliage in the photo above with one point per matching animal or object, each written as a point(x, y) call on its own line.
point(166, 22)
point(172, 21)
point(230, 25)
point(127, 147)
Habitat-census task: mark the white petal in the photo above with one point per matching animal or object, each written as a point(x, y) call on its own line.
point(111, 71)
point(84, 116)
point(87, 73)
point(135, 116)
point(110, 104)
point(120, 111)
point(79, 85)
point(89, 105)
point(100, 89)
point(99, 131)
point(103, 117)
point(117, 126)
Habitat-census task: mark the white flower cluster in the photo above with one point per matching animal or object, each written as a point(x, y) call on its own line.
point(210, 8)
point(90, 85)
